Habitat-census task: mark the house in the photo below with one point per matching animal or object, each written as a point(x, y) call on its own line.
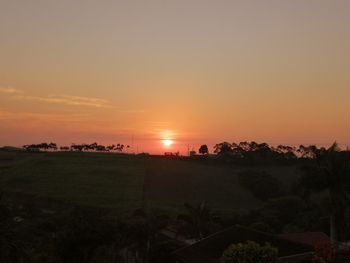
point(307, 238)
point(292, 248)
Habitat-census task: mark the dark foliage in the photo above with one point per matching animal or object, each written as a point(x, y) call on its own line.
point(250, 252)
point(199, 221)
point(262, 185)
point(41, 147)
point(203, 149)
point(80, 234)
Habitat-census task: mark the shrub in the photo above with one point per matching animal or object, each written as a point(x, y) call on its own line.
point(250, 252)
point(261, 184)
point(261, 226)
point(285, 209)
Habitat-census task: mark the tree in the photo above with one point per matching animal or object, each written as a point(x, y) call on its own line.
point(250, 252)
point(203, 149)
point(110, 147)
point(53, 146)
point(333, 168)
point(199, 219)
point(143, 228)
point(80, 234)
point(41, 146)
point(287, 151)
point(261, 184)
point(282, 211)
point(222, 148)
point(120, 147)
point(77, 147)
point(100, 148)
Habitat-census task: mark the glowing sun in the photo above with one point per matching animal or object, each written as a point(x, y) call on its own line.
point(167, 142)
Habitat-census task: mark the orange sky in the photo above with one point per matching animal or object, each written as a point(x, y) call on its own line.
point(192, 71)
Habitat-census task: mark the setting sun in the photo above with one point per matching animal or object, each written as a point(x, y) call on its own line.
point(175, 131)
point(167, 142)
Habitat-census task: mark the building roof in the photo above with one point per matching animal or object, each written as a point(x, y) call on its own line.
point(308, 238)
point(210, 249)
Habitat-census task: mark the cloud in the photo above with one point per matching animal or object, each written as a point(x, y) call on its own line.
point(67, 100)
point(132, 111)
point(9, 90)
point(70, 100)
point(22, 115)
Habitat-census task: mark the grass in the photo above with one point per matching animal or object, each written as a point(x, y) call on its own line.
point(118, 181)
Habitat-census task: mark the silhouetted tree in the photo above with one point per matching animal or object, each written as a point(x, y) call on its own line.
point(110, 147)
point(310, 151)
point(203, 149)
point(64, 148)
point(334, 172)
point(199, 219)
point(100, 148)
point(53, 146)
point(93, 146)
point(287, 151)
point(222, 148)
point(41, 146)
point(120, 147)
point(77, 147)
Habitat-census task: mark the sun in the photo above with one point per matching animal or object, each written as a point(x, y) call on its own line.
point(167, 142)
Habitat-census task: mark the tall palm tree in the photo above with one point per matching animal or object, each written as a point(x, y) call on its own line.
point(199, 218)
point(334, 166)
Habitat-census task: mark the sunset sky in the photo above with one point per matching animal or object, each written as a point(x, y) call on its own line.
point(193, 71)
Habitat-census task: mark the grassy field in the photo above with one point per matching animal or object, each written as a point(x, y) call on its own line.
point(122, 182)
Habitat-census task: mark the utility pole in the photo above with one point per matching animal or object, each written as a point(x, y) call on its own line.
point(132, 143)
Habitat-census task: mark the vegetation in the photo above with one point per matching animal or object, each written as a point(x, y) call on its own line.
point(332, 175)
point(76, 147)
point(199, 221)
point(284, 190)
point(203, 149)
point(117, 181)
point(262, 185)
point(250, 252)
point(41, 147)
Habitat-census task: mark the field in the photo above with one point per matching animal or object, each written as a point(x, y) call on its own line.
point(126, 182)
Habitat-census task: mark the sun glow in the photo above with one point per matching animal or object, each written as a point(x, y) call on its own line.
point(167, 142)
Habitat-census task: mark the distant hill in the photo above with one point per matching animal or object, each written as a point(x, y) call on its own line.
point(10, 148)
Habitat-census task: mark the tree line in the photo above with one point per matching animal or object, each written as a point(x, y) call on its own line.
point(76, 147)
point(246, 149)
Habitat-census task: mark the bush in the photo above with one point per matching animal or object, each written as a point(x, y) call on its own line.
point(250, 252)
point(261, 226)
point(285, 209)
point(261, 184)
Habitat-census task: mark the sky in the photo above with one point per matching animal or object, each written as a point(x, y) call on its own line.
point(193, 71)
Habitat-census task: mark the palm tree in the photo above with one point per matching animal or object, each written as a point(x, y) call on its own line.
point(199, 218)
point(334, 167)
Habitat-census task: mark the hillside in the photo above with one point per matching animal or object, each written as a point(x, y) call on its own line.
point(122, 182)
